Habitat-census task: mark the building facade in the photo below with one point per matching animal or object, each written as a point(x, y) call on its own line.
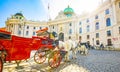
point(100, 26)
point(18, 25)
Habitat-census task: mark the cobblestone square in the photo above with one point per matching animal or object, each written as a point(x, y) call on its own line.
point(95, 61)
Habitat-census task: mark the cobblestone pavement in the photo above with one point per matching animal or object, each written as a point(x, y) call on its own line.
point(95, 61)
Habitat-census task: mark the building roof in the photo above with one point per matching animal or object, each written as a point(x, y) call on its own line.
point(19, 14)
point(3, 28)
point(68, 10)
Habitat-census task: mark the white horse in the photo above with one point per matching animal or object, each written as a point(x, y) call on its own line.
point(68, 46)
point(82, 49)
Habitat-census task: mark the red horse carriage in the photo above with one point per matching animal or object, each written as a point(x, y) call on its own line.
point(15, 48)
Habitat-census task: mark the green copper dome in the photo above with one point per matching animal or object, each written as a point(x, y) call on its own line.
point(19, 14)
point(68, 11)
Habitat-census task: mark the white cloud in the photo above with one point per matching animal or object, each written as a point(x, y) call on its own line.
point(78, 6)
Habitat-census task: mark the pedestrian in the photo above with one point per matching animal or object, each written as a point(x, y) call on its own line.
point(101, 46)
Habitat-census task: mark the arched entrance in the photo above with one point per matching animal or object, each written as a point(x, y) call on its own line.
point(61, 36)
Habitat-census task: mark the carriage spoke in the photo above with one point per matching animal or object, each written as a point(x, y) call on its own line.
point(1, 65)
point(39, 57)
point(55, 60)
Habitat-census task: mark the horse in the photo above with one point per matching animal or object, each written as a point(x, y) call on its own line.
point(68, 46)
point(82, 48)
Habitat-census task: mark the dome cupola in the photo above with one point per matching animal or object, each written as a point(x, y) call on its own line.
point(19, 14)
point(68, 11)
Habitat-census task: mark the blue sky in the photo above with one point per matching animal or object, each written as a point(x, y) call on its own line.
point(31, 9)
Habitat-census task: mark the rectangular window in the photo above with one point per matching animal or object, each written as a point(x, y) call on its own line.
point(27, 27)
point(97, 26)
point(87, 20)
point(40, 27)
point(70, 31)
point(88, 37)
point(19, 26)
point(109, 42)
point(109, 33)
point(107, 11)
point(19, 32)
point(97, 35)
point(70, 24)
point(34, 27)
point(80, 30)
point(27, 33)
point(97, 42)
point(80, 23)
point(33, 33)
point(96, 17)
point(53, 27)
point(88, 28)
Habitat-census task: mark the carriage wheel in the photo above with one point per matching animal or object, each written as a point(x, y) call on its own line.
point(54, 59)
point(40, 56)
point(1, 65)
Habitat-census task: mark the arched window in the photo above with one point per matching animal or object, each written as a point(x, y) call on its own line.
point(34, 27)
point(70, 31)
point(33, 33)
point(97, 26)
point(19, 32)
point(27, 27)
point(27, 33)
point(80, 30)
point(107, 11)
point(70, 24)
point(96, 17)
point(80, 23)
point(97, 42)
point(108, 22)
point(88, 28)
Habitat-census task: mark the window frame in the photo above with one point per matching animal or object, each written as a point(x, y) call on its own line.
point(80, 30)
point(109, 33)
point(27, 27)
point(97, 26)
point(19, 32)
point(88, 36)
point(70, 31)
point(108, 22)
point(109, 42)
point(88, 28)
point(27, 33)
point(97, 42)
point(97, 35)
point(107, 11)
point(96, 17)
point(70, 24)
point(34, 33)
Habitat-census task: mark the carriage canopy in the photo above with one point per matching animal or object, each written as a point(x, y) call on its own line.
point(5, 34)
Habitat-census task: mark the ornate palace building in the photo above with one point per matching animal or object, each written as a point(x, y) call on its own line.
point(100, 26)
point(20, 26)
